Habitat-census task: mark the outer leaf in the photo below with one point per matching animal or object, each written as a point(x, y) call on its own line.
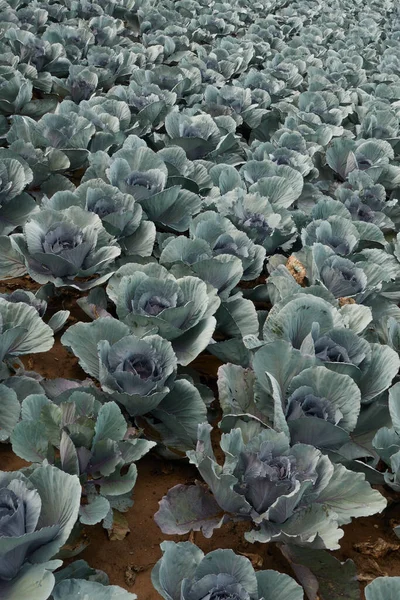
point(178, 416)
point(322, 575)
point(188, 346)
point(32, 406)
point(94, 511)
point(60, 494)
point(58, 320)
point(78, 588)
point(277, 586)
point(348, 493)
point(29, 441)
point(379, 372)
point(37, 336)
point(133, 450)
point(236, 389)
point(394, 406)
point(83, 338)
point(105, 457)
point(178, 561)
point(12, 262)
point(110, 424)
point(188, 508)
point(68, 455)
point(383, 588)
point(10, 409)
point(117, 484)
point(33, 581)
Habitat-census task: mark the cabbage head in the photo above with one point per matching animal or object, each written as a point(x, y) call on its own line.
point(218, 574)
point(38, 512)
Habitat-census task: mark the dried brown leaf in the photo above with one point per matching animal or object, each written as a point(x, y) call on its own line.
point(343, 301)
point(256, 560)
point(119, 529)
point(297, 270)
point(377, 548)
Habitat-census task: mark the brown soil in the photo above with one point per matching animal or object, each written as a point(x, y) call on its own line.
point(370, 542)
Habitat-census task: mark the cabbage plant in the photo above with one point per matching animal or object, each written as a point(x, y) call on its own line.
point(287, 391)
point(68, 133)
point(317, 328)
point(80, 84)
point(150, 299)
point(147, 101)
point(137, 170)
point(38, 513)
point(365, 200)
point(84, 438)
point(136, 372)
point(371, 156)
point(111, 118)
point(76, 38)
point(140, 374)
point(48, 166)
point(341, 276)
point(63, 247)
point(16, 92)
point(338, 233)
point(188, 256)
point(220, 574)
point(223, 238)
point(43, 56)
point(267, 224)
point(121, 216)
point(291, 494)
point(198, 135)
point(280, 184)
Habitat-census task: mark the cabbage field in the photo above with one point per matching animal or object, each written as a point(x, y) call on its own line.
point(199, 300)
